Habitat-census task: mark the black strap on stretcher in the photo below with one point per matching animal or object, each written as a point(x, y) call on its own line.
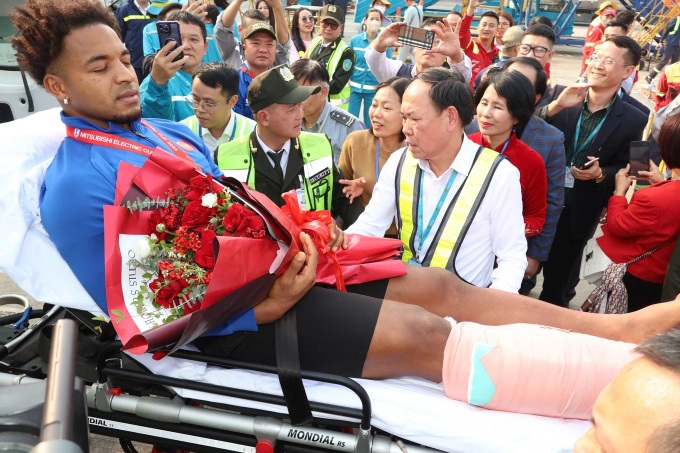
point(288, 368)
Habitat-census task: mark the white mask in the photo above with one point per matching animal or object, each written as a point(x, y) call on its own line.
point(374, 26)
point(381, 8)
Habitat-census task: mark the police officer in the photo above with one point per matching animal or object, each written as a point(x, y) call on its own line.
point(319, 115)
point(334, 54)
point(277, 157)
point(213, 96)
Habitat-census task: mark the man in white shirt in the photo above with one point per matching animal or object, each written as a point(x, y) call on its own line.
point(413, 16)
point(445, 50)
point(457, 206)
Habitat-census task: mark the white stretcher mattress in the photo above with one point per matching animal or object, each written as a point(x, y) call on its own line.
point(411, 408)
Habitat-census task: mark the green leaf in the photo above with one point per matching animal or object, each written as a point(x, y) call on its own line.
point(119, 316)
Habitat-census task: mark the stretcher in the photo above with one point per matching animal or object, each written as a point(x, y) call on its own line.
point(241, 408)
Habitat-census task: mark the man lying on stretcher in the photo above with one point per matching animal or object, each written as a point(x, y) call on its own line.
point(387, 328)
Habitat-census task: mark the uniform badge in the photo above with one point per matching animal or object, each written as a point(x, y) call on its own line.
point(347, 64)
point(286, 74)
point(332, 8)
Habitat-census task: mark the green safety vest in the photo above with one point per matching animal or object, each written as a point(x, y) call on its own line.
point(244, 126)
point(460, 213)
point(135, 17)
point(341, 99)
point(235, 159)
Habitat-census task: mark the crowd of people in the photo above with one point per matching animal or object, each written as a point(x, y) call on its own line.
point(492, 186)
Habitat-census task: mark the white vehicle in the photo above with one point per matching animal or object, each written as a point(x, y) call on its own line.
point(19, 94)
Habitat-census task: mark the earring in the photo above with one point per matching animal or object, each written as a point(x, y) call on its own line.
point(65, 101)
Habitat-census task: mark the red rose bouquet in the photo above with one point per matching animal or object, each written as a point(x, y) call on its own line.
point(185, 254)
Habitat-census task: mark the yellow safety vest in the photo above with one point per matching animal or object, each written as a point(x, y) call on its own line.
point(235, 159)
point(242, 127)
point(459, 214)
point(341, 99)
point(135, 17)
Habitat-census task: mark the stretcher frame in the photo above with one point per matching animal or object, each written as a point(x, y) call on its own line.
point(158, 417)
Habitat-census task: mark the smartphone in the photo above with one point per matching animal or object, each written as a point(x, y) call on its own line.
point(416, 37)
point(168, 30)
point(638, 157)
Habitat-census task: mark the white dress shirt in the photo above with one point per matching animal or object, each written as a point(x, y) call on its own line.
point(497, 231)
point(267, 149)
point(383, 68)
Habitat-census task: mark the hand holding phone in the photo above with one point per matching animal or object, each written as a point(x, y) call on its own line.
point(168, 31)
point(638, 157)
point(416, 37)
point(589, 163)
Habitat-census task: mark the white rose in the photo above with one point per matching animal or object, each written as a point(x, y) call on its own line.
point(209, 200)
point(144, 248)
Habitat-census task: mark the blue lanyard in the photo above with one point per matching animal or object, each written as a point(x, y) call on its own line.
point(592, 135)
point(506, 144)
point(420, 236)
point(377, 161)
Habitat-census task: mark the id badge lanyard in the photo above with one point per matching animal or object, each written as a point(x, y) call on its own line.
point(586, 144)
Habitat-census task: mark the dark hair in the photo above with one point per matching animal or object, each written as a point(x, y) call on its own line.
point(211, 13)
point(254, 14)
point(271, 12)
point(42, 26)
point(188, 18)
point(224, 4)
point(541, 30)
point(428, 21)
point(449, 90)
point(295, 30)
point(508, 16)
point(457, 13)
point(518, 93)
point(633, 49)
point(664, 349)
point(541, 20)
point(618, 23)
point(310, 71)
point(669, 145)
point(167, 9)
point(399, 85)
point(541, 77)
point(490, 14)
point(626, 17)
point(219, 75)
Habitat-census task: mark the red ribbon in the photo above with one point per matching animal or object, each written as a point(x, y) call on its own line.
point(317, 224)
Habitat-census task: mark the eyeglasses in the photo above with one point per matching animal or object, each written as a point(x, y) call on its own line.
point(503, 24)
point(328, 24)
point(306, 19)
point(539, 51)
point(606, 61)
point(195, 103)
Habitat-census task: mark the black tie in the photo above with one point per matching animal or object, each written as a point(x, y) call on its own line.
point(276, 157)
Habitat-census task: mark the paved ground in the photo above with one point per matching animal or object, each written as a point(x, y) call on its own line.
point(564, 70)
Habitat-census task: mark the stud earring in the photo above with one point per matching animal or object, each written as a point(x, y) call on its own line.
point(65, 101)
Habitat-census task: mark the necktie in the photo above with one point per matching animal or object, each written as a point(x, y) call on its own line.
point(276, 157)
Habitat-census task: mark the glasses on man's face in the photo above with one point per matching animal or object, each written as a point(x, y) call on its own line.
point(328, 24)
point(306, 19)
point(197, 103)
point(604, 61)
point(539, 51)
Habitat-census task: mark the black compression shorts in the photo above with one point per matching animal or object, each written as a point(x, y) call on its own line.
point(334, 331)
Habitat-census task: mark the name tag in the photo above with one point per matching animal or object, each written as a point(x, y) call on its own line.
point(241, 175)
point(568, 178)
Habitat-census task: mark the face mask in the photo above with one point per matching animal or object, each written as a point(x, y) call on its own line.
point(381, 8)
point(373, 26)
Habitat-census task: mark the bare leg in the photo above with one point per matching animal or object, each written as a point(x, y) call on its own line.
point(441, 292)
point(408, 341)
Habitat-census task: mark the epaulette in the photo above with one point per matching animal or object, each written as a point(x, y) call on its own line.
point(342, 118)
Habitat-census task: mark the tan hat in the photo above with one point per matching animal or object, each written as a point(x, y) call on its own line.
point(384, 2)
point(606, 8)
point(512, 36)
point(334, 13)
point(257, 27)
point(277, 86)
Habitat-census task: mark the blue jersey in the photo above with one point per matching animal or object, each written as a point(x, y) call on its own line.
point(82, 179)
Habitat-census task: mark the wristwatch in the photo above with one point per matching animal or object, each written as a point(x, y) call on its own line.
point(600, 178)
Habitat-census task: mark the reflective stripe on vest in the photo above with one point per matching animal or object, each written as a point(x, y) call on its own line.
point(342, 98)
point(135, 16)
point(235, 160)
point(677, 26)
point(459, 214)
point(243, 126)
